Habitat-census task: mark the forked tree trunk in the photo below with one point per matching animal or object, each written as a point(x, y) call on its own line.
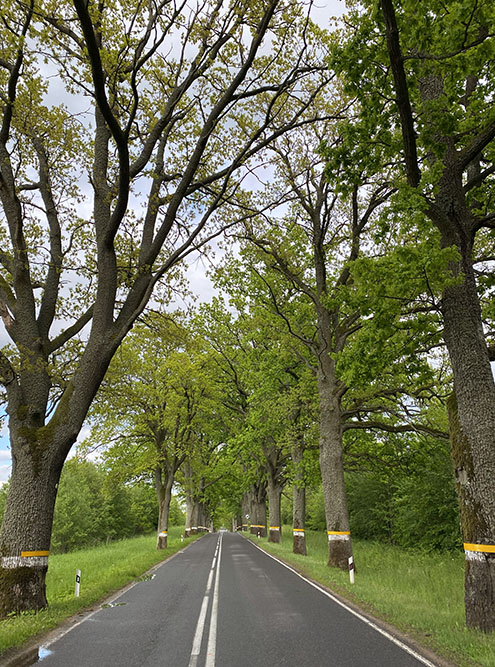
point(299, 504)
point(164, 482)
point(472, 427)
point(332, 467)
point(274, 498)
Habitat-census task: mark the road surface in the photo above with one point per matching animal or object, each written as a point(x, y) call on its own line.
point(222, 602)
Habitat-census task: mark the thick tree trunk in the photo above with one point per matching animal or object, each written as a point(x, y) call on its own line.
point(274, 497)
point(26, 528)
point(472, 425)
point(194, 518)
point(246, 510)
point(258, 510)
point(189, 513)
point(299, 504)
point(332, 467)
point(164, 482)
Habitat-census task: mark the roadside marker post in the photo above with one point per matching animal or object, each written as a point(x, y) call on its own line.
point(351, 569)
point(78, 583)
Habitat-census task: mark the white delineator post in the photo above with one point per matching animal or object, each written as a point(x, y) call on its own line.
point(351, 569)
point(78, 583)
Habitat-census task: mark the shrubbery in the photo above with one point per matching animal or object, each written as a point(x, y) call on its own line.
point(92, 508)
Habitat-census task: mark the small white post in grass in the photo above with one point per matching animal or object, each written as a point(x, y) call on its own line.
point(182, 538)
point(78, 582)
point(351, 569)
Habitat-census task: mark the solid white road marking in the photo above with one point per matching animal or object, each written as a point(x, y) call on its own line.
point(212, 637)
point(383, 632)
point(200, 626)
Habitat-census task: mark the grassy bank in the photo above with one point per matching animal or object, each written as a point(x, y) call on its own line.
point(104, 569)
point(421, 594)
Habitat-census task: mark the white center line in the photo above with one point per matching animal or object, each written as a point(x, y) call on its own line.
point(212, 637)
point(198, 635)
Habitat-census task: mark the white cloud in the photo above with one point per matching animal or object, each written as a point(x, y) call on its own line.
point(4, 473)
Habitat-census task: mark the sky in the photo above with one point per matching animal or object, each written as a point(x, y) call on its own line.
point(199, 283)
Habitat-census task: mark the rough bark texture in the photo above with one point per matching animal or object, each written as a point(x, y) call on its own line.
point(274, 497)
point(480, 567)
point(246, 510)
point(189, 508)
point(27, 528)
point(258, 509)
point(299, 504)
point(472, 412)
point(163, 485)
point(332, 467)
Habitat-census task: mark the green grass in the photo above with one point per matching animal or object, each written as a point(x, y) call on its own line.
point(421, 594)
point(104, 570)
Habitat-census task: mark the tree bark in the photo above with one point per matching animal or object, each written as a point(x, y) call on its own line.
point(332, 466)
point(472, 428)
point(299, 504)
point(274, 497)
point(189, 512)
point(258, 509)
point(245, 511)
point(27, 522)
point(163, 484)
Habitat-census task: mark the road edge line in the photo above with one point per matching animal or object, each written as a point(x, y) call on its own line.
point(23, 656)
point(359, 614)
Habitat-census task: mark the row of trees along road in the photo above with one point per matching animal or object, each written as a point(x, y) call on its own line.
point(360, 253)
point(122, 131)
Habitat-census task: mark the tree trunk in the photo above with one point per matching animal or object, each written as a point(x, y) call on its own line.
point(258, 510)
point(472, 425)
point(332, 467)
point(299, 504)
point(189, 512)
point(246, 510)
point(194, 517)
point(27, 527)
point(164, 482)
point(274, 497)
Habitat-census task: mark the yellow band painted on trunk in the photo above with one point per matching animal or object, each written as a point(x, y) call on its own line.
point(253, 525)
point(274, 527)
point(338, 532)
point(29, 554)
point(484, 548)
point(299, 530)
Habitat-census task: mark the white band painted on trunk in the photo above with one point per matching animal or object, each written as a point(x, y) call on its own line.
point(299, 533)
point(13, 562)
point(331, 538)
point(476, 556)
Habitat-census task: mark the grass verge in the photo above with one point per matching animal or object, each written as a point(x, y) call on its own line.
point(104, 570)
point(420, 594)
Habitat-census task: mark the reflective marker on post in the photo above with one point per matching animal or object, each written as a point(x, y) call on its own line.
point(351, 569)
point(78, 582)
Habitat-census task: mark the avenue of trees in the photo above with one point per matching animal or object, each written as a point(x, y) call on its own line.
point(346, 359)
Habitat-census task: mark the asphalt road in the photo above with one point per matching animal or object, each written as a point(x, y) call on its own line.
point(222, 602)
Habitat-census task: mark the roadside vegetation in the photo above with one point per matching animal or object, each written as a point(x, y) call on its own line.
point(104, 570)
point(338, 181)
point(419, 593)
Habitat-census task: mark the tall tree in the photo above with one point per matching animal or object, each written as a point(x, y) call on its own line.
point(165, 108)
point(429, 74)
point(155, 400)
